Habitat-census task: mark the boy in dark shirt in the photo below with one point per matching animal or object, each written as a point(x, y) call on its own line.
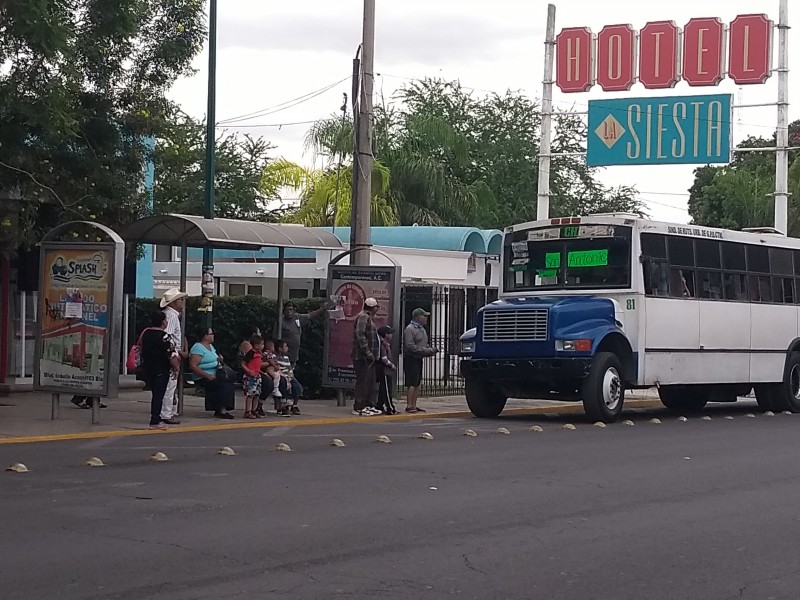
point(385, 370)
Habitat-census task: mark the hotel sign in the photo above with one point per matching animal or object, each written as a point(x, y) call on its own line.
point(661, 54)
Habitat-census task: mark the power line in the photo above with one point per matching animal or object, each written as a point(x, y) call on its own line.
point(258, 125)
point(283, 105)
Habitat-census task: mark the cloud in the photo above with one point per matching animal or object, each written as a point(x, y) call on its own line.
point(402, 39)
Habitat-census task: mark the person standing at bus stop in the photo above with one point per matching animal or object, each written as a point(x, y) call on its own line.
point(366, 353)
point(173, 303)
point(415, 348)
point(291, 330)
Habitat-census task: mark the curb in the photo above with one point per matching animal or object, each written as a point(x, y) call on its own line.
point(91, 435)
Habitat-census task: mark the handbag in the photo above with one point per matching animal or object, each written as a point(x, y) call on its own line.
point(134, 361)
point(225, 373)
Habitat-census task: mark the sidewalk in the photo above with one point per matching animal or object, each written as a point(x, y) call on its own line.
point(26, 416)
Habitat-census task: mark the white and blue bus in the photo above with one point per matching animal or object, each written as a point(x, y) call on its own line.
point(593, 306)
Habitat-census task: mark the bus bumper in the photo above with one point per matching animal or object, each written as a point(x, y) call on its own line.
point(528, 371)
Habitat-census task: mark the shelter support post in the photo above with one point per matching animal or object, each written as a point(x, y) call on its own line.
point(782, 155)
point(184, 267)
point(55, 407)
point(95, 410)
point(281, 273)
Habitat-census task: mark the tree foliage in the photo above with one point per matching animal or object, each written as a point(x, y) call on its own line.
point(741, 194)
point(82, 86)
point(241, 190)
point(457, 159)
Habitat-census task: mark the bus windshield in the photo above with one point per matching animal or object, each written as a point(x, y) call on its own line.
point(568, 257)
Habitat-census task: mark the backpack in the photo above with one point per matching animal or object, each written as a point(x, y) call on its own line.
point(134, 362)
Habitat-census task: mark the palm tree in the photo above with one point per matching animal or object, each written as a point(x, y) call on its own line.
point(325, 198)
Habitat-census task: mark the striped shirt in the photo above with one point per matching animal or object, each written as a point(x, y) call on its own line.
point(286, 366)
point(173, 328)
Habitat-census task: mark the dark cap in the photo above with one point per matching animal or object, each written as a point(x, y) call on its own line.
point(385, 330)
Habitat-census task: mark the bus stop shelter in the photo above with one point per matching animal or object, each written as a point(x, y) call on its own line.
point(189, 231)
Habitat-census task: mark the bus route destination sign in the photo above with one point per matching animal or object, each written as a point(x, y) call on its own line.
point(675, 130)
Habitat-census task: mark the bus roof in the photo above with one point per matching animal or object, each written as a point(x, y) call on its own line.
point(765, 236)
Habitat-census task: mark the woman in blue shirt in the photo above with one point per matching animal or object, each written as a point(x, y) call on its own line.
point(204, 362)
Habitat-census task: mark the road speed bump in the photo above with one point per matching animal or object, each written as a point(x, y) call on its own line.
point(707, 418)
point(94, 462)
point(383, 439)
point(769, 413)
point(159, 457)
point(282, 447)
point(425, 436)
point(18, 468)
point(568, 427)
point(628, 423)
point(470, 433)
point(600, 424)
point(226, 451)
point(683, 419)
point(337, 443)
point(655, 421)
point(503, 431)
point(536, 429)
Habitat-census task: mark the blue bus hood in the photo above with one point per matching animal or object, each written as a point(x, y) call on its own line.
point(569, 317)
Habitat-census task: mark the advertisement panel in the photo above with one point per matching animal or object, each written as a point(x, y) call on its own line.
point(77, 312)
point(348, 287)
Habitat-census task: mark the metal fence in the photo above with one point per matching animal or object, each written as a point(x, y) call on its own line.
point(453, 311)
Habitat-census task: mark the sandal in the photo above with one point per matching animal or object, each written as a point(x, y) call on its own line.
point(412, 410)
point(421, 409)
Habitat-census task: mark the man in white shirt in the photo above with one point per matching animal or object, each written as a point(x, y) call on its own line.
point(173, 304)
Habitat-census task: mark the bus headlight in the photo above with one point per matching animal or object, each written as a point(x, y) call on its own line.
point(467, 347)
point(574, 345)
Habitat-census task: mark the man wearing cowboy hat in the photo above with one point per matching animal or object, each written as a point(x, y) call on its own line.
point(173, 303)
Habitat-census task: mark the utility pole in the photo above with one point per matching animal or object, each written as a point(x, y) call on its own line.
point(207, 276)
point(782, 147)
point(360, 238)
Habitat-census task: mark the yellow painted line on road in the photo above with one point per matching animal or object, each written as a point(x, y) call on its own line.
point(92, 435)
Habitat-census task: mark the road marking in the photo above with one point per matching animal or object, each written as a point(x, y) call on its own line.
point(91, 435)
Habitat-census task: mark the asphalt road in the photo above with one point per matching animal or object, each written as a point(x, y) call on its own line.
point(697, 510)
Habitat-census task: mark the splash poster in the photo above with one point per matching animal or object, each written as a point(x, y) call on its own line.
point(74, 308)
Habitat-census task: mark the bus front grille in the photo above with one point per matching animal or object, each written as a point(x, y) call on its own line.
point(521, 325)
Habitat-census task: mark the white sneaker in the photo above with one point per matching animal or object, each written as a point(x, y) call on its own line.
point(372, 412)
point(358, 413)
point(277, 394)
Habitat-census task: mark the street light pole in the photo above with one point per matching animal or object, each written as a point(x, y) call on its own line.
point(207, 277)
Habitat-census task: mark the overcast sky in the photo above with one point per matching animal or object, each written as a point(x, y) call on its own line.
point(270, 52)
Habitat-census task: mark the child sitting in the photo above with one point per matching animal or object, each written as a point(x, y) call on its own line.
point(251, 365)
point(271, 367)
point(291, 383)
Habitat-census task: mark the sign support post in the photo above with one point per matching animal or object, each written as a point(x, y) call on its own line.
point(543, 197)
point(782, 155)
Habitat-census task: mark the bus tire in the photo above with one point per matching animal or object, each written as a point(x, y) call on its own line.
point(679, 398)
point(786, 395)
point(603, 391)
point(484, 400)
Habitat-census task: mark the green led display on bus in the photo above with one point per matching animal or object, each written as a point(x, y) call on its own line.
point(587, 258)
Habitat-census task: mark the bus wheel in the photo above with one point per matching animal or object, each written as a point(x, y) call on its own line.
point(603, 389)
point(677, 397)
point(484, 400)
point(786, 395)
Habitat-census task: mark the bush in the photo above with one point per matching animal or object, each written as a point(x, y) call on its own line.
point(234, 319)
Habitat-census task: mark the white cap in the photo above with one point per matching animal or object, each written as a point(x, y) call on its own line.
point(370, 303)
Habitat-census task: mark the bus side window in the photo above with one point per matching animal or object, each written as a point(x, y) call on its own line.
point(656, 277)
point(681, 283)
point(735, 285)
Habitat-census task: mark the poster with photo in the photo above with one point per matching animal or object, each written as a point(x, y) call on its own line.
point(348, 288)
point(74, 306)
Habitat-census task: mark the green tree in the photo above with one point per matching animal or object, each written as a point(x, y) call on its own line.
point(82, 86)
point(740, 195)
point(455, 159)
point(241, 190)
